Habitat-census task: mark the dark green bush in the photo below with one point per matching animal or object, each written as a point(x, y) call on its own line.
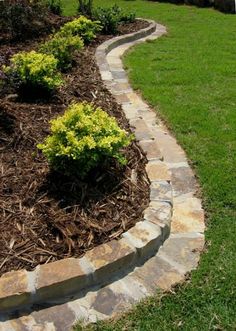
point(110, 18)
point(227, 6)
point(127, 18)
point(83, 138)
point(62, 48)
point(85, 7)
point(55, 6)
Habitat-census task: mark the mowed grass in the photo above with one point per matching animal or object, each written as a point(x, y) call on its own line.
point(189, 77)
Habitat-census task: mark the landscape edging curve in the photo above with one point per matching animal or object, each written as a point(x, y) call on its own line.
point(69, 276)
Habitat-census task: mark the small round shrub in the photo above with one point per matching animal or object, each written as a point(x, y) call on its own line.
point(34, 70)
point(62, 48)
point(85, 7)
point(111, 17)
point(55, 6)
point(82, 138)
point(83, 27)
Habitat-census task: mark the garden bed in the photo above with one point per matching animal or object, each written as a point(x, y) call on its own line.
point(45, 216)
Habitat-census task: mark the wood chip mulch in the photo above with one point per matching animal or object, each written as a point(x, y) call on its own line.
point(46, 216)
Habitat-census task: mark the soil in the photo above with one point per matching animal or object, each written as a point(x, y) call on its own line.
point(44, 215)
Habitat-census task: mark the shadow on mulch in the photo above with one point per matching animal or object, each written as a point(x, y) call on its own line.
point(7, 122)
point(71, 191)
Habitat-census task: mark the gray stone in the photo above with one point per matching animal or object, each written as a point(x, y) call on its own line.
point(141, 130)
point(157, 273)
point(119, 74)
point(122, 99)
point(183, 180)
point(111, 257)
point(151, 149)
point(182, 252)
point(107, 302)
point(160, 213)
point(161, 191)
point(130, 111)
point(157, 170)
point(61, 278)
point(61, 315)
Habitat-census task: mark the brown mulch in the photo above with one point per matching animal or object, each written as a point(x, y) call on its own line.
point(46, 216)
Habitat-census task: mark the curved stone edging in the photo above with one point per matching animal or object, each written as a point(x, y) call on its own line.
point(70, 276)
point(172, 198)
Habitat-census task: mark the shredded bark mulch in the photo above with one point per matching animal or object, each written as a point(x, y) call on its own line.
point(46, 216)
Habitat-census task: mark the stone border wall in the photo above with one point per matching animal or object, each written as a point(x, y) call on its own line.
point(70, 276)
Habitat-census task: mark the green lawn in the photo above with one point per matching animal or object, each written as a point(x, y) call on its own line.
point(190, 79)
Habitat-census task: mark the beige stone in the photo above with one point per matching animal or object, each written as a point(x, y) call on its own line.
point(136, 100)
point(161, 191)
point(6, 326)
point(162, 209)
point(149, 117)
point(122, 99)
point(111, 257)
point(141, 129)
point(130, 111)
point(157, 273)
point(146, 237)
point(151, 149)
point(182, 252)
point(43, 327)
point(160, 215)
point(23, 323)
point(187, 217)
point(169, 148)
point(106, 75)
point(157, 170)
point(14, 290)
point(60, 278)
point(121, 87)
point(183, 180)
point(59, 316)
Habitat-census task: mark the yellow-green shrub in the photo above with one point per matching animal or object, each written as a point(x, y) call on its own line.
point(62, 48)
point(82, 138)
point(34, 70)
point(81, 26)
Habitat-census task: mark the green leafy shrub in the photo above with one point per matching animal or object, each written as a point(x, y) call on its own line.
point(82, 138)
point(55, 6)
point(110, 18)
point(85, 7)
point(83, 27)
point(128, 18)
point(62, 48)
point(34, 70)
